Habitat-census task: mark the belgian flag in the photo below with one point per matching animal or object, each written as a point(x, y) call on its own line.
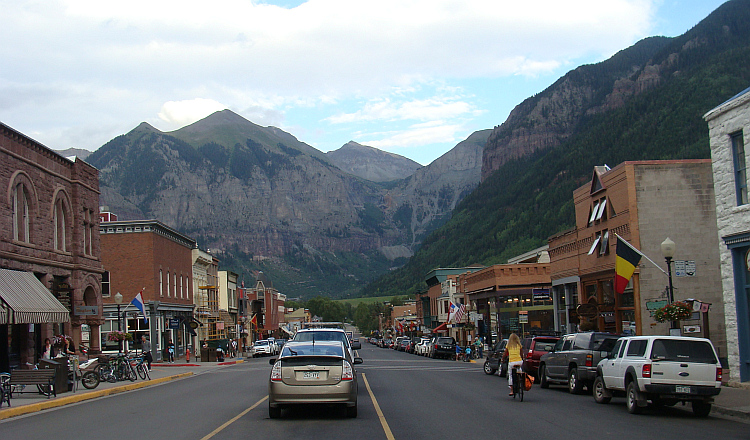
point(626, 261)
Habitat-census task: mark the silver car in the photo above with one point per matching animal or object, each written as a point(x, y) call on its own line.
point(320, 372)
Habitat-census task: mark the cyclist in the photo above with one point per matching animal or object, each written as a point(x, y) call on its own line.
point(513, 353)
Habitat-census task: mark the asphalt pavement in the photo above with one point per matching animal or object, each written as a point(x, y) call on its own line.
point(733, 401)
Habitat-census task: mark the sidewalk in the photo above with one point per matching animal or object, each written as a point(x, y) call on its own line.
point(160, 372)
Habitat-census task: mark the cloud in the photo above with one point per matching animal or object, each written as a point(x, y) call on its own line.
point(181, 113)
point(415, 136)
point(421, 109)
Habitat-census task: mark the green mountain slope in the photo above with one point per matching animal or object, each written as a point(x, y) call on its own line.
point(526, 200)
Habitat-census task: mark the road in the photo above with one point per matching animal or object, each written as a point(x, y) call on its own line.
point(419, 398)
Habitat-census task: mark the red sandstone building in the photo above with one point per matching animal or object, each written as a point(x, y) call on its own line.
point(149, 257)
point(50, 272)
point(642, 202)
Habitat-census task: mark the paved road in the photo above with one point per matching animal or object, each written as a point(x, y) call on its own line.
point(418, 398)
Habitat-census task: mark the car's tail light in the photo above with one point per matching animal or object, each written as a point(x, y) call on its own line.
point(646, 370)
point(589, 360)
point(529, 354)
point(276, 372)
point(718, 374)
point(348, 372)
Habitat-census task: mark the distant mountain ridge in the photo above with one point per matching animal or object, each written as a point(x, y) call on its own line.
point(260, 199)
point(372, 164)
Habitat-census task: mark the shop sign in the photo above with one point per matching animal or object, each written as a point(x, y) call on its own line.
point(540, 294)
point(174, 323)
point(86, 310)
point(523, 316)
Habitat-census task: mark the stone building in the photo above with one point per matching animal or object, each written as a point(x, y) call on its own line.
point(729, 128)
point(644, 203)
point(149, 257)
point(49, 249)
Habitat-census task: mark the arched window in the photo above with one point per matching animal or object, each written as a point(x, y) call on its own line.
point(20, 213)
point(60, 226)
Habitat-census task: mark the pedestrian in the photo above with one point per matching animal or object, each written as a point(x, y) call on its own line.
point(48, 352)
point(234, 348)
point(170, 351)
point(479, 347)
point(219, 354)
point(458, 351)
point(68, 348)
point(513, 353)
point(146, 350)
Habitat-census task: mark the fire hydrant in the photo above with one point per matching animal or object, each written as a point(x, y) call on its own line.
point(187, 354)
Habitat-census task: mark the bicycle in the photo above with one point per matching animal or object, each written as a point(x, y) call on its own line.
point(141, 367)
point(519, 382)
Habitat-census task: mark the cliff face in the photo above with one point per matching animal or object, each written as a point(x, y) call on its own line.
point(372, 164)
point(546, 120)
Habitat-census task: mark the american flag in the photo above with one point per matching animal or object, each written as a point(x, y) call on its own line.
point(457, 312)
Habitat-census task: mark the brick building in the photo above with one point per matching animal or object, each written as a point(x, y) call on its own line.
point(149, 257)
point(643, 202)
point(729, 128)
point(48, 230)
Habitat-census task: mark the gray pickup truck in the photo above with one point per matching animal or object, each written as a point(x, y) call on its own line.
point(574, 358)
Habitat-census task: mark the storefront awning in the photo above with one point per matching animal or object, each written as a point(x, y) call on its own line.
point(442, 328)
point(25, 300)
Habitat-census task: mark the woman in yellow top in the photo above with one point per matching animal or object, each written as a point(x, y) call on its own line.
point(513, 353)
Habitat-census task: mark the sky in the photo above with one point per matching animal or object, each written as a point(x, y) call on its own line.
point(411, 77)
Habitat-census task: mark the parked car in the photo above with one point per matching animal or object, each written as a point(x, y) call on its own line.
point(532, 348)
point(444, 346)
point(261, 348)
point(494, 361)
point(661, 369)
point(313, 373)
point(403, 344)
point(574, 358)
point(421, 347)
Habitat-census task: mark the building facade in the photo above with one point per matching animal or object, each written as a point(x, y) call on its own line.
point(148, 257)
point(729, 132)
point(49, 250)
point(643, 203)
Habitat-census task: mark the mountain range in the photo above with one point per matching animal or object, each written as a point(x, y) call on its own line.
point(331, 223)
point(260, 199)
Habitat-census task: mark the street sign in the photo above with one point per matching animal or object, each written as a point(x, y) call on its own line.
point(174, 323)
point(684, 268)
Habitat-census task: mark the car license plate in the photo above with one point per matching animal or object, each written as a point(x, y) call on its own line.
point(311, 375)
point(683, 390)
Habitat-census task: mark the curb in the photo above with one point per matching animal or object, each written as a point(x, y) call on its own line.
point(729, 412)
point(9, 412)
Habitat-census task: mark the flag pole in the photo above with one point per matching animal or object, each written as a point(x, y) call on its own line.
point(639, 252)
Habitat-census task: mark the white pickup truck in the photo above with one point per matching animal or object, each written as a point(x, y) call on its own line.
point(661, 369)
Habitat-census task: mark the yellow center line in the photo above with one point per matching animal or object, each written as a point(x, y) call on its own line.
point(386, 428)
point(234, 419)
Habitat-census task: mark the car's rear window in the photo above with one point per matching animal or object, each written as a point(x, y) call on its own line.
point(544, 346)
point(446, 341)
point(304, 361)
point(321, 336)
point(313, 350)
point(261, 343)
point(606, 344)
point(683, 351)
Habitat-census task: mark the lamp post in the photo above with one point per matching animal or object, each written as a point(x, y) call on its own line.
point(118, 301)
point(667, 249)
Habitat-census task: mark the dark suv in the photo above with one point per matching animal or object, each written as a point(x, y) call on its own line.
point(445, 346)
point(532, 348)
point(494, 360)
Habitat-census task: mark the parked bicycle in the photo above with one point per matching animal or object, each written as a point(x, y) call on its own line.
point(141, 366)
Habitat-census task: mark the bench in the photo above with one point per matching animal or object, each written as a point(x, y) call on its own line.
point(44, 379)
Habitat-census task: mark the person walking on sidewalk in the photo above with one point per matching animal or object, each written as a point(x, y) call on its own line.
point(170, 351)
point(513, 353)
point(146, 350)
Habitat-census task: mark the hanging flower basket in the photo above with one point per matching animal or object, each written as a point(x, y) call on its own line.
point(673, 312)
point(119, 336)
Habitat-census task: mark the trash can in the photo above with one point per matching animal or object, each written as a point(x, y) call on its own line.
point(60, 365)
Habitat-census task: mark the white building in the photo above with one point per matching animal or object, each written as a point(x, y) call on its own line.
point(729, 130)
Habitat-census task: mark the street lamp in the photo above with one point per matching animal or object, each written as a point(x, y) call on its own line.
point(667, 249)
point(118, 301)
